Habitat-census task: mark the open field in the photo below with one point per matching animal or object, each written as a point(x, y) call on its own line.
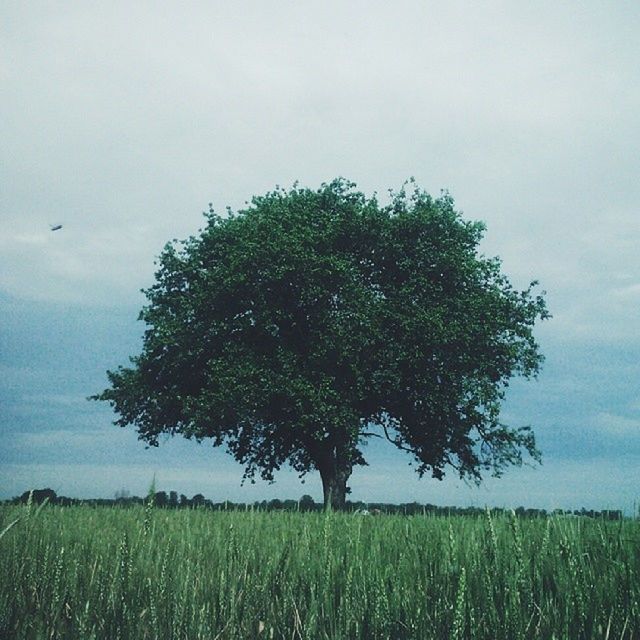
point(82, 572)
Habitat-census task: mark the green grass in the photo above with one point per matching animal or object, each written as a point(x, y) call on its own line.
point(82, 572)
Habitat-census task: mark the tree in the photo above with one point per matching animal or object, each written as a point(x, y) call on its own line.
point(38, 496)
point(306, 503)
point(198, 500)
point(296, 329)
point(161, 499)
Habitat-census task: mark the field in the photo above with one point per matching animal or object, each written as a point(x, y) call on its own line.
point(83, 572)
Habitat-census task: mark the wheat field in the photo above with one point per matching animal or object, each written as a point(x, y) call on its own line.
point(96, 572)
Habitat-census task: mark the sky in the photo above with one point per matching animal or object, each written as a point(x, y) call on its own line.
point(122, 121)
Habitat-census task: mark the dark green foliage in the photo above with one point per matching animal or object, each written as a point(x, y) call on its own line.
point(306, 503)
point(296, 329)
point(38, 496)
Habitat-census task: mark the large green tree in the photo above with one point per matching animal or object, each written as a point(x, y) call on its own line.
point(295, 330)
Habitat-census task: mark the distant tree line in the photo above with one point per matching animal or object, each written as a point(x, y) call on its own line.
point(173, 500)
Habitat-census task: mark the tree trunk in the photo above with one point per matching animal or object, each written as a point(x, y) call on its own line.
point(335, 469)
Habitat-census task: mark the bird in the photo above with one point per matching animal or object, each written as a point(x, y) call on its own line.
point(55, 227)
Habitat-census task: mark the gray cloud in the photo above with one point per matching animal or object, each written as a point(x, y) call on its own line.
point(123, 121)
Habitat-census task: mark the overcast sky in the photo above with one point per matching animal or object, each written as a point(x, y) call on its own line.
point(122, 121)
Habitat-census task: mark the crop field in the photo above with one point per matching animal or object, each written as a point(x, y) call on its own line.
point(97, 572)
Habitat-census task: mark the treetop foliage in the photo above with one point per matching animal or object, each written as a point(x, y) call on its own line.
point(313, 320)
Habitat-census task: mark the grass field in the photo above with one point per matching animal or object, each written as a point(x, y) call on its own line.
point(82, 572)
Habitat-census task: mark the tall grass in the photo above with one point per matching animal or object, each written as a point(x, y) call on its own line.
point(82, 572)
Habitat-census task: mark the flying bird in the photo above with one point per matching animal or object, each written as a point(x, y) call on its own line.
point(55, 227)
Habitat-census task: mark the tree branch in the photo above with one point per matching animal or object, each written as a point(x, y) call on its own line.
point(396, 442)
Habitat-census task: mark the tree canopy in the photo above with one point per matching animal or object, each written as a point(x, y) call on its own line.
point(296, 329)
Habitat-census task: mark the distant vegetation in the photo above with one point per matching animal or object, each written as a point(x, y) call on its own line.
point(173, 500)
point(146, 572)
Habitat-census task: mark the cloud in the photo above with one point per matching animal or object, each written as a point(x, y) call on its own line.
point(125, 133)
point(122, 121)
point(617, 425)
point(78, 264)
point(63, 439)
point(106, 479)
point(629, 291)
